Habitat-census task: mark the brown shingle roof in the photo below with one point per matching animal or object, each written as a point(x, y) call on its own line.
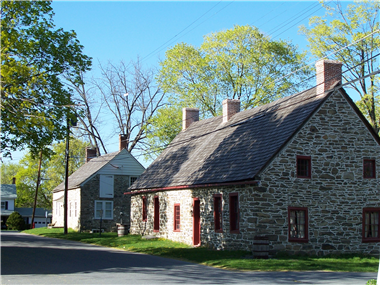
point(212, 152)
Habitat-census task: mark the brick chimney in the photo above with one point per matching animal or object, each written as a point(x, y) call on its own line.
point(14, 180)
point(123, 141)
point(328, 73)
point(230, 108)
point(189, 116)
point(90, 153)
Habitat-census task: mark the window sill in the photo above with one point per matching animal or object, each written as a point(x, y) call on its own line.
point(370, 240)
point(177, 231)
point(156, 231)
point(298, 240)
point(104, 219)
point(235, 232)
point(219, 231)
point(304, 177)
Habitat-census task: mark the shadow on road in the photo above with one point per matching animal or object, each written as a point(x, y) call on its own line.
point(22, 254)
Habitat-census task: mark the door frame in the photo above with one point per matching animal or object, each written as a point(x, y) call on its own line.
point(196, 200)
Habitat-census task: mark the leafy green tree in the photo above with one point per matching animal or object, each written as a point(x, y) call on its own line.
point(34, 58)
point(239, 63)
point(162, 129)
point(8, 171)
point(353, 36)
point(15, 222)
point(52, 173)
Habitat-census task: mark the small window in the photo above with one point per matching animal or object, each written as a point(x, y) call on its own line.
point(76, 209)
point(4, 205)
point(132, 180)
point(106, 186)
point(70, 210)
point(298, 224)
point(303, 166)
point(234, 213)
point(218, 213)
point(156, 226)
point(144, 212)
point(369, 168)
point(104, 210)
point(177, 217)
point(371, 227)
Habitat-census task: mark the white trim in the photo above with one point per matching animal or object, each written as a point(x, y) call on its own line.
point(103, 204)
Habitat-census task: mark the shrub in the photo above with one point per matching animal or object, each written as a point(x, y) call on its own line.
point(15, 222)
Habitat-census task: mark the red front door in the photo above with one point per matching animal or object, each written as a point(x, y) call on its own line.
point(196, 222)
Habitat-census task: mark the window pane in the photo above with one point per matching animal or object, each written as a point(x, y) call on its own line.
point(98, 207)
point(108, 210)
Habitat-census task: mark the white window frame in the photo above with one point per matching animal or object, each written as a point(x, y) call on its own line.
point(103, 205)
point(130, 179)
point(4, 205)
point(106, 186)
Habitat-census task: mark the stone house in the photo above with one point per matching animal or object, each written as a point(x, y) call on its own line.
point(303, 171)
point(95, 191)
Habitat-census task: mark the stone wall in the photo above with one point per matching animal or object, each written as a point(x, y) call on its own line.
point(121, 203)
point(335, 195)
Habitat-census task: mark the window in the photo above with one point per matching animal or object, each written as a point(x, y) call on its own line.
point(132, 180)
point(177, 218)
point(70, 208)
point(104, 210)
point(369, 168)
point(106, 186)
point(298, 224)
point(76, 210)
point(156, 226)
point(371, 228)
point(144, 212)
point(234, 213)
point(218, 213)
point(303, 166)
point(4, 205)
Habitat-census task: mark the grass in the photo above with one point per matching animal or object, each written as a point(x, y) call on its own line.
point(235, 260)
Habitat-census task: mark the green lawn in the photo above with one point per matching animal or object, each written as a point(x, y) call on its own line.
point(239, 260)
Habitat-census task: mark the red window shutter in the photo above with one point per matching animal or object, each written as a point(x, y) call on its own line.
point(234, 213)
point(156, 214)
point(144, 212)
point(177, 218)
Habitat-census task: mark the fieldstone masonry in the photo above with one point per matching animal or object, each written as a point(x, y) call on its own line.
point(335, 195)
point(121, 203)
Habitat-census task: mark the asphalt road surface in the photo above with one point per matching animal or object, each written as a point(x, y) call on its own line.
point(27, 259)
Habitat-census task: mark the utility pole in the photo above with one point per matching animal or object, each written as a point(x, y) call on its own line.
point(66, 178)
point(38, 184)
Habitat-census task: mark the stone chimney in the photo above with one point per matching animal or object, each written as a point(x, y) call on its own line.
point(328, 73)
point(123, 141)
point(230, 108)
point(189, 116)
point(90, 153)
point(14, 180)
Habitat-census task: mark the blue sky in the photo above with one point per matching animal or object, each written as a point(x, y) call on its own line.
point(125, 30)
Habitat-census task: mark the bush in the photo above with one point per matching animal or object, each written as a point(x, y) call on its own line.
point(15, 222)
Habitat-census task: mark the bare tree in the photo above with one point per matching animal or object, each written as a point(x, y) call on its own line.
point(89, 113)
point(131, 95)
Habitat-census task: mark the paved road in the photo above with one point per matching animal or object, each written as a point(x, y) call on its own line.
point(27, 259)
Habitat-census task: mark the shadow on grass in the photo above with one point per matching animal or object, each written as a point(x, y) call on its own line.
point(241, 260)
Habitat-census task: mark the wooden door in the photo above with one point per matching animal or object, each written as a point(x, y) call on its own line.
point(196, 222)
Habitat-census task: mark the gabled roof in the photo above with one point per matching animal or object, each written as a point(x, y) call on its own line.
point(86, 171)
point(8, 191)
point(210, 152)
